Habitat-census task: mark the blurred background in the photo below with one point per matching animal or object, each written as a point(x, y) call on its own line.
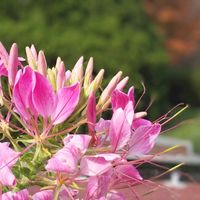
point(157, 42)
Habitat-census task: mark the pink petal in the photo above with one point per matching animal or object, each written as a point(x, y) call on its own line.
point(43, 96)
point(43, 195)
point(131, 95)
point(143, 139)
point(119, 99)
point(140, 122)
point(21, 99)
point(79, 141)
point(3, 53)
point(91, 113)
point(68, 99)
point(65, 160)
point(120, 131)
point(6, 176)
point(20, 195)
point(3, 70)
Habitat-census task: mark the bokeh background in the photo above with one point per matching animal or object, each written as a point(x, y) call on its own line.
point(157, 42)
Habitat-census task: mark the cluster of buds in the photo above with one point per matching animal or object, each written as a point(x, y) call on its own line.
point(54, 143)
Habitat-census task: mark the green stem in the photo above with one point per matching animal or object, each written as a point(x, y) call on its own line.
point(37, 151)
point(57, 191)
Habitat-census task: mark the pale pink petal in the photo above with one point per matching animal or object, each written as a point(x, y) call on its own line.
point(93, 166)
point(97, 187)
point(102, 126)
point(98, 164)
point(67, 101)
point(66, 193)
point(65, 160)
point(143, 139)
point(43, 96)
point(129, 112)
point(79, 141)
point(20, 195)
point(11, 156)
point(127, 173)
point(6, 176)
point(120, 131)
point(43, 195)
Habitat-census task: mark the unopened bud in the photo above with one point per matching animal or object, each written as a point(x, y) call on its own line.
point(60, 76)
point(34, 52)
point(58, 61)
point(32, 62)
point(95, 83)
point(109, 89)
point(51, 74)
point(122, 83)
point(13, 64)
point(140, 114)
point(77, 71)
point(67, 77)
point(88, 73)
point(42, 63)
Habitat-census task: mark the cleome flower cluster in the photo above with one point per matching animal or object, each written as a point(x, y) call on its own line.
point(55, 144)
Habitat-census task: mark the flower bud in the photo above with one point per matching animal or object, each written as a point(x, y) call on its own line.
point(13, 64)
point(88, 73)
point(58, 61)
point(95, 83)
point(42, 63)
point(67, 77)
point(140, 114)
point(60, 79)
point(34, 52)
point(51, 74)
point(109, 89)
point(122, 83)
point(77, 71)
point(30, 58)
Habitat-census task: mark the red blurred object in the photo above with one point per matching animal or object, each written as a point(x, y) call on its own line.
point(180, 22)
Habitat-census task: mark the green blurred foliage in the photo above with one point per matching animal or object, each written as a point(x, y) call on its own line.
point(118, 34)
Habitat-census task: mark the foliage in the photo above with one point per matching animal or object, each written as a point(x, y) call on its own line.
point(117, 33)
